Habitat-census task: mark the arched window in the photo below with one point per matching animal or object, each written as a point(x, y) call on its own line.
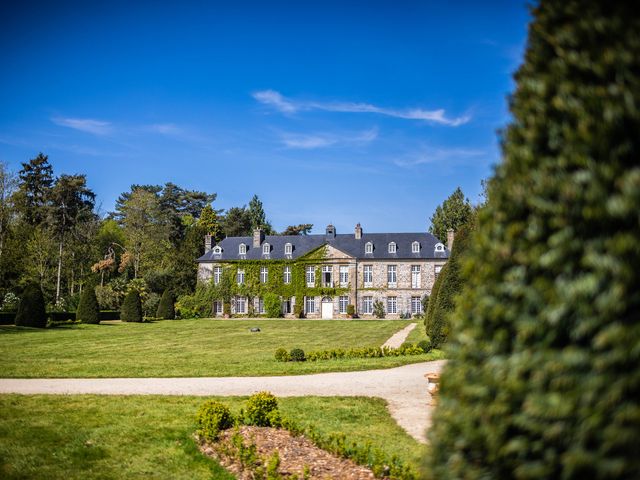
point(242, 249)
point(415, 247)
point(266, 249)
point(288, 248)
point(392, 247)
point(439, 247)
point(368, 247)
point(217, 250)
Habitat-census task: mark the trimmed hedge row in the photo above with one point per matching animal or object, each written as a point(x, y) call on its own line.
point(8, 318)
point(297, 355)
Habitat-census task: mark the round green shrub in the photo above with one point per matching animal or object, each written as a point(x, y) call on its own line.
point(88, 309)
point(212, 418)
point(31, 309)
point(351, 310)
point(260, 409)
point(297, 355)
point(282, 355)
point(272, 305)
point(166, 307)
point(425, 345)
point(131, 310)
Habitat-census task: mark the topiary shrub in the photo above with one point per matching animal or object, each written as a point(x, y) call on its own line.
point(298, 311)
point(351, 310)
point(131, 310)
point(282, 355)
point(272, 305)
point(31, 309)
point(378, 309)
point(88, 310)
point(166, 307)
point(297, 355)
point(428, 314)
point(425, 345)
point(543, 378)
point(213, 417)
point(262, 410)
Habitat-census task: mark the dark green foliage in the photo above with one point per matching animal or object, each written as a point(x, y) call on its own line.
point(131, 310)
point(425, 345)
point(88, 310)
point(298, 311)
point(433, 299)
point(272, 305)
point(166, 308)
point(297, 355)
point(543, 378)
point(450, 286)
point(213, 417)
point(425, 304)
point(31, 310)
point(378, 309)
point(282, 355)
point(351, 310)
point(454, 212)
point(262, 410)
point(301, 229)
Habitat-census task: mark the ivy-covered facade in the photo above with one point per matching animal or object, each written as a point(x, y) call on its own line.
point(322, 276)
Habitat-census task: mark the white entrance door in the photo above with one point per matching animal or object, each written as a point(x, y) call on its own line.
point(327, 308)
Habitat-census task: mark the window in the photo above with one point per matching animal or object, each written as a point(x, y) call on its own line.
point(310, 305)
point(344, 275)
point(343, 301)
point(327, 276)
point(392, 278)
point(392, 247)
point(240, 277)
point(415, 276)
point(287, 275)
point(266, 249)
point(241, 305)
point(368, 275)
point(264, 274)
point(392, 304)
point(437, 270)
point(217, 250)
point(415, 247)
point(368, 248)
point(261, 305)
point(242, 249)
point(217, 274)
point(416, 305)
point(311, 276)
point(367, 304)
point(286, 306)
point(439, 247)
point(217, 307)
point(288, 248)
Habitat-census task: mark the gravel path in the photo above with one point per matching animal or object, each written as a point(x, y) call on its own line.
point(398, 338)
point(404, 388)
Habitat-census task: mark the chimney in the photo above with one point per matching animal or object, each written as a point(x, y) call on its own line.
point(358, 232)
point(450, 236)
point(207, 243)
point(258, 237)
point(331, 231)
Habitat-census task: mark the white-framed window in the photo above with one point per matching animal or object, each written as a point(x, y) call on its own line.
point(217, 307)
point(439, 247)
point(261, 305)
point(217, 275)
point(392, 277)
point(392, 247)
point(415, 276)
point(438, 269)
point(310, 275)
point(416, 305)
point(310, 305)
point(415, 247)
point(217, 250)
point(240, 277)
point(288, 249)
point(344, 275)
point(241, 305)
point(368, 275)
point(287, 275)
point(327, 276)
point(368, 247)
point(343, 301)
point(392, 304)
point(266, 249)
point(264, 274)
point(367, 304)
point(242, 249)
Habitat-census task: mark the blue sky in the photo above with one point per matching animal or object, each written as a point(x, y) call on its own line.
point(343, 112)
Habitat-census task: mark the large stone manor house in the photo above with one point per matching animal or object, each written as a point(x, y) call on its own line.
point(325, 274)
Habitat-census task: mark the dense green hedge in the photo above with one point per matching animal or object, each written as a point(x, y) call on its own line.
point(131, 310)
point(543, 378)
point(7, 318)
point(433, 299)
point(166, 307)
point(88, 309)
point(31, 310)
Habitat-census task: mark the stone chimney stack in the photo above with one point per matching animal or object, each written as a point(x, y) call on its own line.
point(207, 243)
point(331, 231)
point(258, 237)
point(450, 235)
point(358, 231)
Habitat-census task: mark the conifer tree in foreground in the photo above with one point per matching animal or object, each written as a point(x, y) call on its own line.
point(166, 307)
point(543, 378)
point(88, 309)
point(131, 310)
point(31, 310)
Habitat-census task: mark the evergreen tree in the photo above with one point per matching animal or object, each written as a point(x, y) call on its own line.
point(543, 378)
point(301, 229)
point(31, 310)
point(166, 307)
point(210, 223)
point(257, 216)
point(454, 212)
point(131, 310)
point(88, 309)
point(433, 299)
point(33, 196)
point(237, 222)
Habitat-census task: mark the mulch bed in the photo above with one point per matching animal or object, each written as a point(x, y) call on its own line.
point(295, 453)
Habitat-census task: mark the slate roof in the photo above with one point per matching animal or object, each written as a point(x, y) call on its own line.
point(347, 243)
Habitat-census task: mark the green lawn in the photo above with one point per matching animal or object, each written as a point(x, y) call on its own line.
point(124, 437)
point(191, 348)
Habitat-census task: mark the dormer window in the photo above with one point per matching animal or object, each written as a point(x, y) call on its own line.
point(242, 249)
point(392, 247)
point(368, 248)
point(266, 249)
point(217, 250)
point(415, 247)
point(288, 248)
point(439, 248)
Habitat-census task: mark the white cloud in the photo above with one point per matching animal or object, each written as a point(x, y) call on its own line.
point(429, 155)
point(283, 104)
point(322, 140)
point(165, 128)
point(97, 127)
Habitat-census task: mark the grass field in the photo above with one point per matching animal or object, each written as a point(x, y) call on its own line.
point(192, 348)
point(125, 437)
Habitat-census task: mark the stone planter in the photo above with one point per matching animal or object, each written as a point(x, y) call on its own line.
point(433, 385)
